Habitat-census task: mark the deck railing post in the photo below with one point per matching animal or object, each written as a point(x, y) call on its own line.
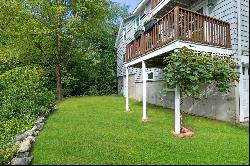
point(176, 22)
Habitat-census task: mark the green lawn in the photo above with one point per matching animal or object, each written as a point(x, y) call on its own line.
point(97, 130)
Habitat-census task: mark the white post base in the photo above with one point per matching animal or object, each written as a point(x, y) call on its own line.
point(177, 111)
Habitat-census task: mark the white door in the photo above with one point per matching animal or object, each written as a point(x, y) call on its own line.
point(245, 94)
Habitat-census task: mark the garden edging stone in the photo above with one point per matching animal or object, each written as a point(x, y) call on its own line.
point(25, 140)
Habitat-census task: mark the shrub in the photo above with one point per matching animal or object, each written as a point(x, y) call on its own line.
point(24, 96)
point(7, 153)
point(191, 71)
point(23, 92)
point(9, 129)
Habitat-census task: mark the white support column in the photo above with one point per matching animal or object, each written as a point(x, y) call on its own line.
point(144, 91)
point(177, 111)
point(126, 91)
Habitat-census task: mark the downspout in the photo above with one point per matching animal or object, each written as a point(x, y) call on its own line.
point(241, 117)
point(239, 26)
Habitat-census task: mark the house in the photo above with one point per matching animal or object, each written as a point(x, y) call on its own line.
point(158, 27)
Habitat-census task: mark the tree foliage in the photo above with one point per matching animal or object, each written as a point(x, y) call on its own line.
point(192, 71)
point(46, 42)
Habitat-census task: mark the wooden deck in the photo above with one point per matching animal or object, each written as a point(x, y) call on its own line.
point(180, 24)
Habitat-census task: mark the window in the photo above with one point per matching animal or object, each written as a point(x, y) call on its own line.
point(243, 70)
point(137, 22)
point(200, 11)
point(150, 76)
point(147, 8)
point(124, 34)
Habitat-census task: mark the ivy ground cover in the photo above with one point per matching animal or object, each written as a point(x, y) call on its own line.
point(97, 130)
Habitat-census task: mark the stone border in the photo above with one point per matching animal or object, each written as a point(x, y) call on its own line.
point(25, 140)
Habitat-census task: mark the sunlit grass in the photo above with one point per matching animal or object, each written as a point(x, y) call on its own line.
point(97, 130)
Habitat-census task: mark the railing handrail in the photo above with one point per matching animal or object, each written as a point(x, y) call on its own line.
point(202, 15)
point(177, 24)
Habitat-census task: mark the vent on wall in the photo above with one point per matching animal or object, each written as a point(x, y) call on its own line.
point(151, 76)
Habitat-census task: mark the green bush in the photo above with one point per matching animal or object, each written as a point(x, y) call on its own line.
point(7, 153)
point(9, 129)
point(23, 92)
point(24, 97)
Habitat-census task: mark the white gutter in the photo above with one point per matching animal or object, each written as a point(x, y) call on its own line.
point(118, 34)
point(239, 26)
point(139, 6)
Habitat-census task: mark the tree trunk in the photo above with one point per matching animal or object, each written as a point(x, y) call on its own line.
point(59, 88)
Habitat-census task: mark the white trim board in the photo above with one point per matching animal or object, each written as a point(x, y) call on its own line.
point(179, 44)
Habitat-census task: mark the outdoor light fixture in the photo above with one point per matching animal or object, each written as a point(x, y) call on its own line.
point(210, 3)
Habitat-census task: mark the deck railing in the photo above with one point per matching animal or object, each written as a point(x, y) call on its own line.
point(181, 24)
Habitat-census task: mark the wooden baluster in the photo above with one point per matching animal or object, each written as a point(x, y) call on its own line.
point(218, 32)
point(126, 54)
point(152, 37)
point(228, 36)
point(147, 41)
point(195, 29)
point(181, 21)
point(224, 32)
point(185, 24)
point(164, 30)
point(143, 43)
point(188, 25)
point(212, 31)
point(208, 30)
point(201, 31)
point(168, 30)
point(176, 22)
point(191, 38)
point(156, 35)
point(172, 23)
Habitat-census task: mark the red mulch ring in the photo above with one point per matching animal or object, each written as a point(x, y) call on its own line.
point(184, 133)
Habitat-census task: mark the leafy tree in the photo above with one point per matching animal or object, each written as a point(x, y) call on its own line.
point(192, 71)
point(51, 45)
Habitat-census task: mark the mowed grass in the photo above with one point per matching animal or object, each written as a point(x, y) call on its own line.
point(97, 130)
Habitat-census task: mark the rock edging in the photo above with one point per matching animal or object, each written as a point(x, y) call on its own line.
point(25, 140)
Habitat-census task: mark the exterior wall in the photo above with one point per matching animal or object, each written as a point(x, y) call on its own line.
point(154, 92)
point(226, 10)
point(245, 27)
point(120, 85)
point(214, 105)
